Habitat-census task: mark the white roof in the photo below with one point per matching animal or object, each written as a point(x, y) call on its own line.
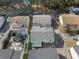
point(41, 29)
point(42, 19)
point(42, 16)
point(41, 34)
point(74, 52)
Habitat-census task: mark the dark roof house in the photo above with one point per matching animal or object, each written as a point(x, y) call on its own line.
point(9, 54)
point(43, 53)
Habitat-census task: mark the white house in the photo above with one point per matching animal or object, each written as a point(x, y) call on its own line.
point(42, 20)
point(74, 52)
point(41, 34)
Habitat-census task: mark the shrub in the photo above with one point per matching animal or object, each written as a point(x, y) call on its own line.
point(25, 56)
point(29, 45)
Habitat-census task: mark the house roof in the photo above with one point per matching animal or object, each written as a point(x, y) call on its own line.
point(16, 55)
point(9, 54)
point(70, 19)
point(44, 16)
point(41, 34)
point(41, 29)
point(77, 49)
point(43, 53)
point(42, 19)
point(6, 53)
point(18, 20)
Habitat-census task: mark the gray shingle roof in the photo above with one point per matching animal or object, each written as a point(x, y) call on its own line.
point(43, 53)
point(6, 53)
point(16, 55)
point(9, 54)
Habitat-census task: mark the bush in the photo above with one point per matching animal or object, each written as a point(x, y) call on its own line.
point(29, 45)
point(12, 33)
point(68, 31)
point(78, 32)
point(5, 44)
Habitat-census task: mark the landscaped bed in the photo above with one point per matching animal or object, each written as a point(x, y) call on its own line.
point(25, 56)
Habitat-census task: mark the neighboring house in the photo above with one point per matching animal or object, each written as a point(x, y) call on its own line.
point(74, 52)
point(43, 20)
point(69, 22)
point(43, 53)
point(18, 22)
point(10, 54)
point(2, 20)
point(41, 35)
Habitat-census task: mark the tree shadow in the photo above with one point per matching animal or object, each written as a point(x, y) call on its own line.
point(54, 24)
point(62, 57)
point(5, 27)
point(59, 42)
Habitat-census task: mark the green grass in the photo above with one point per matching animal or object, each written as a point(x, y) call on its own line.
point(25, 47)
point(29, 45)
point(25, 56)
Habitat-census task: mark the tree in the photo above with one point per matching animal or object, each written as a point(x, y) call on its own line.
point(5, 44)
point(76, 1)
point(29, 45)
point(44, 1)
